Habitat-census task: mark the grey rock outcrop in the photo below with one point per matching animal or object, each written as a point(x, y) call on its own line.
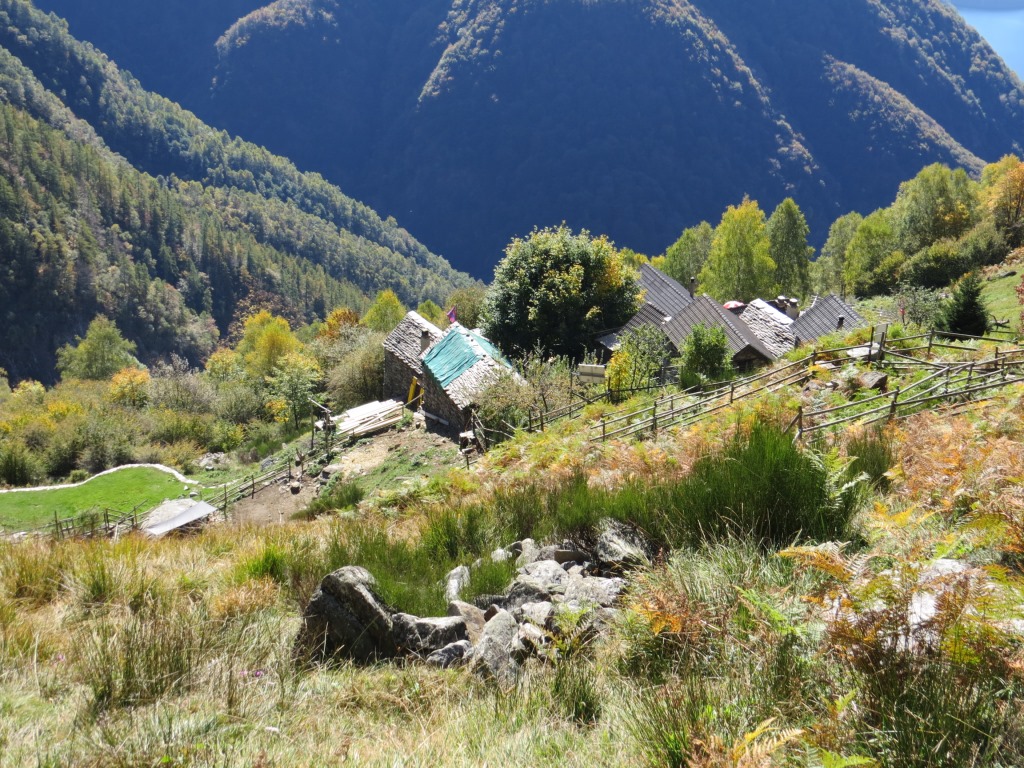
point(619, 548)
point(346, 618)
point(594, 591)
point(451, 655)
point(471, 615)
point(493, 654)
point(455, 582)
point(424, 636)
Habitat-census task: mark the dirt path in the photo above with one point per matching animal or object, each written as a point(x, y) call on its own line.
point(278, 504)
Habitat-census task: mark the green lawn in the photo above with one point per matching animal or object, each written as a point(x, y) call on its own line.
point(1000, 297)
point(120, 491)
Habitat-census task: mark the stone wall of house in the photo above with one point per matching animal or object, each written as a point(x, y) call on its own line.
point(398, 377)
point(437, 402)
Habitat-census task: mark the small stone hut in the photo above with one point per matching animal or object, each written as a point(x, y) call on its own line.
point(403, 353)
point(455, 371)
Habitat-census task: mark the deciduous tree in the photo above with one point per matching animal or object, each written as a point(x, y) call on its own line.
point(739, 266)
point(686, 257)
point(787, 245)
point(102, 353)
point(556, 290)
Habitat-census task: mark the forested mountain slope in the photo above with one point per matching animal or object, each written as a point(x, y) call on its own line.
point(473, 120)
point(175, 257)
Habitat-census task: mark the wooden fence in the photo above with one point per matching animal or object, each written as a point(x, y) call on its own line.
point(944, 383)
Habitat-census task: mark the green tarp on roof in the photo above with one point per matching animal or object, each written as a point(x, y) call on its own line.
point(456, 353)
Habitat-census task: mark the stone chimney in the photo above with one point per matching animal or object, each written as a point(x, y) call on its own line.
point(793, 309)
point(424, 340)
point(840, 322)
point(693, 287)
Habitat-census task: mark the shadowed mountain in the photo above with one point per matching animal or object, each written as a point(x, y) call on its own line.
point(474, 120)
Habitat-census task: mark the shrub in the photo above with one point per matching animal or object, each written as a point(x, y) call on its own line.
point(339, 496)
point(706, 353)
point(18, 467)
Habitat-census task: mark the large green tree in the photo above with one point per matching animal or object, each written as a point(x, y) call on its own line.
point(937, 204)
point(829, 269)
point(872, 245)
point(556, 290)
point(102, 353)
point(686, 257)
point(385, 313)
point(739, 265)
point(787, 245)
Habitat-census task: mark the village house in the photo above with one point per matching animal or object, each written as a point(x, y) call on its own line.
point(403, 353)
point(455, 371)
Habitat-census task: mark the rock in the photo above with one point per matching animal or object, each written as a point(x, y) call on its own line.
point(536, 613)
point(331, 470)
point(542, 578)
point(295, 487)
point(456, 581)
point(492, 656)
point(210, 460)
point(528, 551)
point(619, 548)
point(500, 555)
point(472, 616)
point(423, 636)
point(594, 591)
point(530, 640)
point(266, 464)
point(563, 556)
point(451, 655)
point(872, 380)
point(346, 618)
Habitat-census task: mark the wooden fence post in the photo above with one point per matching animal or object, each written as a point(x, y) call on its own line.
point(604, 435)
point(654, 418)
point(732, 391)
point(931, 337)
point(892, 405)
point(970, 375)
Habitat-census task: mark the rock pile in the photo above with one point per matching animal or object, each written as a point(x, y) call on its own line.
point(554, 586)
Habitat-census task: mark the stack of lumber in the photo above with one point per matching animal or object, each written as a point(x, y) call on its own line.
point(369, 418)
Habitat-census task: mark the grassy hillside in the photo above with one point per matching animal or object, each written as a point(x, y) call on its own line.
point(732, 648)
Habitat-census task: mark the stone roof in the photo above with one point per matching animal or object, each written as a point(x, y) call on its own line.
point(662, 292)
point(405, 342)
point(822, 317)
point(663, 298)
point(772, 327)
point(706, 311)
point(463, 363)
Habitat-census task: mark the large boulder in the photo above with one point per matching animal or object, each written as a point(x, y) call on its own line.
point(471, 615)
point(423, 636)
point(492, 656)
point(346, 618)
point(594, 591)
point(455, 582)
point(619, 548)
point(540, 579)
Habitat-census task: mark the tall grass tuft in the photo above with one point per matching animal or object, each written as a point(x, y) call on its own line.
point(151, 654)
point(873, 454)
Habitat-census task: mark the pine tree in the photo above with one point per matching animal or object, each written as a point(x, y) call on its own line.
point(965, 312)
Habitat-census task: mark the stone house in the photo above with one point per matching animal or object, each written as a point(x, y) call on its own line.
point(455, 371)
point(403, 353)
